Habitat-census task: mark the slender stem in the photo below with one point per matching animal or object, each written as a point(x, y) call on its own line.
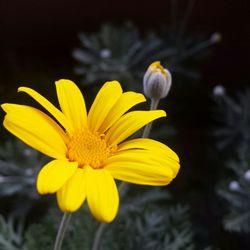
point(147, 129)
point(122, 186)
point(61, 232)
point(187, 14)
point(98, 236)
point(193, 50)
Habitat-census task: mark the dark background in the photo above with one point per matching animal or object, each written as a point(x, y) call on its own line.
point(37, 37)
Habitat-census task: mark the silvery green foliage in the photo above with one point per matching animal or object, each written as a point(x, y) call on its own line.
point(11, 234)
point(140, 224)
point(236, 191)
point(234, 118)
point(120, 53)
point(79, 235)
point(113, 53)
point(19, 165)
point(159, 228)
point(234, 136)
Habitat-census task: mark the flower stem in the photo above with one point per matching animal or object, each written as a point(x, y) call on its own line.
point(153, 105)
point(122, 186)
point(98, 235)
point(61, 232)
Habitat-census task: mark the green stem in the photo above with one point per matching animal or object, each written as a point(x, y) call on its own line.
point(153, 105)
point(98, 236)
point(62, 229)
point(193, 50)
point(122, 185)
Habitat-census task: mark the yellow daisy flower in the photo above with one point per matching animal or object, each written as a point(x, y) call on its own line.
point(89, 151)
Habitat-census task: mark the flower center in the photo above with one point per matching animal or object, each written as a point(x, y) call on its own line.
point(89, 148)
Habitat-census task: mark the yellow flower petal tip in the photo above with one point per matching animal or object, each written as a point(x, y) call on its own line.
point(89, 149)
point(161, 113)
point(7, 107)
point(3, 106)
point(112, 83)
point(53, 176)
point(20, 89)
point(64, 81)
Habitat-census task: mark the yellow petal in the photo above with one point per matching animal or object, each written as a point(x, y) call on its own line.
point(139, 167)
point(126, 101)
point(72, 103)
point(54, 174)
point(130, 123)
point(102, 194)
point(60, 117)
point(163, 153)
point(73, 193)
point(35, 129)
point(103, 103)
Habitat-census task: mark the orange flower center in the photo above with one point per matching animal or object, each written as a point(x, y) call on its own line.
point(89, 148)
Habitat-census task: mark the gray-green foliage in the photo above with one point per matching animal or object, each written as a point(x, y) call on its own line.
point(113, 53)
point(11, 234)
point(234, 117)
point(19, 165)
point(237, 193)
point(41, 236)
point(139, 225)
point(234, 136)
point(154, 228)
point(121, 53)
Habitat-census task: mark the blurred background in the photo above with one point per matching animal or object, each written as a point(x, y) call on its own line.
point(205, 44)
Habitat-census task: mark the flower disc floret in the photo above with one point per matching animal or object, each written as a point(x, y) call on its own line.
point(89, 148)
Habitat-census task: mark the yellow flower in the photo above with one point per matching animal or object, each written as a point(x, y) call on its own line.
point(89, 151)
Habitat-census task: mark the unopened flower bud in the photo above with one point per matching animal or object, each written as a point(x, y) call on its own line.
point(157, 81)
point(234, 186)
point(247, 175)
point(105, 53)
point(216, 37)
point(219, 90)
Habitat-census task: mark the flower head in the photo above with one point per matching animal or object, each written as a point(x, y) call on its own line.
point(157, 81)
point(88, 149)
point(219, 91)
